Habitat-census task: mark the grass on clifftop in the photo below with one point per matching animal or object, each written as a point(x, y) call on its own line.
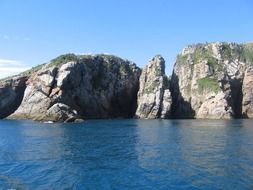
point(247, 55)
point(201, 53)
point(62, 59)
point(208, 84)
point(206, 54)
point(65, 58)
point(228, 51)
point(241, 52)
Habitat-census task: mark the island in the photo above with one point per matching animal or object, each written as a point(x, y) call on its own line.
point(209, 81)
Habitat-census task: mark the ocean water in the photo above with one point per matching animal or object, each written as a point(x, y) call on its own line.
point(127, 154)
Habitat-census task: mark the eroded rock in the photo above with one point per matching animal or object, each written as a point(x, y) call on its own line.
point(154, 98)
point(207, 81)
point(99, 86)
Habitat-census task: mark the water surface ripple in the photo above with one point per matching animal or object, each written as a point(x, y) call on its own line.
point(127, 154)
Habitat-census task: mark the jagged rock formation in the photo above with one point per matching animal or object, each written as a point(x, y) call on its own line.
point(71, 87)
point(154, 100)
point(11, 94)
point(213, 81)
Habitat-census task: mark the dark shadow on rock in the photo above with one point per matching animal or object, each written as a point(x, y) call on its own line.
point(93, 99)
point(11, 96)
point(237, 96)
point(180, 108)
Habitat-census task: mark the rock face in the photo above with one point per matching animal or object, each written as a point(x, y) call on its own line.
point(247, 90)
point(72, 87)
point(11, 94)
point(211, 81)
point(154, 99)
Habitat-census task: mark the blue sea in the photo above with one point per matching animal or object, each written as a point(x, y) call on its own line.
point(127, 154)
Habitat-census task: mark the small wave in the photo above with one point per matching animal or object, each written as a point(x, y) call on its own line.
point(10, 183)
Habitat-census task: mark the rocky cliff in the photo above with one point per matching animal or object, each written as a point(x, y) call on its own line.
point(11, 95)
point(72, 87)
point(154, 99)
point(213, 80)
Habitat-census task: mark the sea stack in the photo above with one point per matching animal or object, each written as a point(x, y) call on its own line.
point(154, 99)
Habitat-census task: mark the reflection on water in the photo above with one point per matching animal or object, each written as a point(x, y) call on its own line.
point(127, 154)
point(205, 154)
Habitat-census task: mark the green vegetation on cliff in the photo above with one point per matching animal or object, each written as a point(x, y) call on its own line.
point(233, 51)
point(227, 51)
point(182, 58)
point(247, 55)
point(204, 53)
point(62, 59)
point(201, 53)
point(209, 84)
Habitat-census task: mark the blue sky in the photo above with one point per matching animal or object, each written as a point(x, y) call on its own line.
point(36, 31)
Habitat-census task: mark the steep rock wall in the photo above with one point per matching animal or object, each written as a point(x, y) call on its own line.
point(99, 86)
point(154, 98)
point(207, 80)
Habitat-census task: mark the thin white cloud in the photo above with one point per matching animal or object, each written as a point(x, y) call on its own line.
point(11, 67)
point(9, 61)
point(7, 37)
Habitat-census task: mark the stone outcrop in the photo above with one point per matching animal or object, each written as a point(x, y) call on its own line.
point(72, 87)
point(247, 90)
point(154, 99)
point(211, 81)
point(11, 94)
